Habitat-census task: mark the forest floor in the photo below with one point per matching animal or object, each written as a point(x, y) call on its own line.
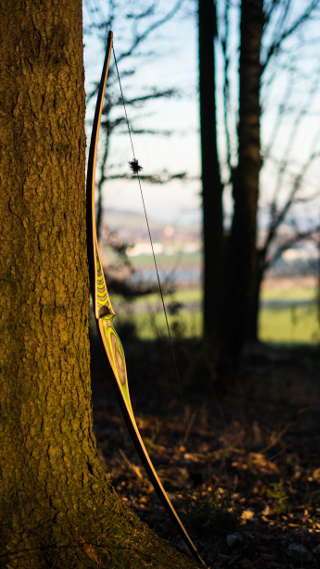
point(239, 458)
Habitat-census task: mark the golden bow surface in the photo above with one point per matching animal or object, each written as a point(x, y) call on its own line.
point(105, 314)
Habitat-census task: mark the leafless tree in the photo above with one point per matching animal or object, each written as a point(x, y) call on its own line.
point(136, 26)
point(288, 36)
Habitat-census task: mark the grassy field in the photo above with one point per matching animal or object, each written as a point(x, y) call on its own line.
point(290, 325)
point(292, 322)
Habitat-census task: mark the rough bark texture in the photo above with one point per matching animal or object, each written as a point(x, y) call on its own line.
point(211, 182)
point(56, 506)
point(242, 258)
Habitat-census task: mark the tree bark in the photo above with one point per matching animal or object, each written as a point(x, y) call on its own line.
point(242, 257)
point(57, 508)
point(254, 305)
point(211, 181)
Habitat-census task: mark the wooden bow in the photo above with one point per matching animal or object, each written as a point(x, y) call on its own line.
point(104, 313)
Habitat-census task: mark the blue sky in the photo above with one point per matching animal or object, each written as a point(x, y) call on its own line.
point(176, 67)
point(179, 202)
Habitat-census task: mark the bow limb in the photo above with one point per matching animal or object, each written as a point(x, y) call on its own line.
point(104, 313)
point(101, 298)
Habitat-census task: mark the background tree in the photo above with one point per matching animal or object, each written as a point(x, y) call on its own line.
point(211, 180)
point(57, 506)
point(264, 32)
point(242, 254)
point(137, 26)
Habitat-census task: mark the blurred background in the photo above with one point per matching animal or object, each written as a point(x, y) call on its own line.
point(172, 58)
point(223, 100)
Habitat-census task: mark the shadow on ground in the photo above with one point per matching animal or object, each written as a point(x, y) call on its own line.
point(240, 458)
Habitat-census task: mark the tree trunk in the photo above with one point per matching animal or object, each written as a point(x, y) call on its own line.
point(254, 305)
point(242, 259)
point(56, 506)
point(211, 181)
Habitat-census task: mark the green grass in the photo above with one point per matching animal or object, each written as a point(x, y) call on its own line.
point(183, 296)
point(150, 325)
point(272, 293)
point(289, 293)
point(295, 324)
point(290, 325)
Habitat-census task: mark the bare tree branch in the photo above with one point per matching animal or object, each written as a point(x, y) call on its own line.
point(311, 95)
point(141, 37)
point(278, 215)
point(285, 34)
point(161, 178)
point(290, 242)
point(143, 20)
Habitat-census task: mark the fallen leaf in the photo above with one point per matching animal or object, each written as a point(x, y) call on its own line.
point(316, 475)
point(247, 515)
point(262, 463)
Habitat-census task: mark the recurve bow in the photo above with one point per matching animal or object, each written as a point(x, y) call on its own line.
point(104, 313)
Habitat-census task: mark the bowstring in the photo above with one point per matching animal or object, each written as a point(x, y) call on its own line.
point(137, 175)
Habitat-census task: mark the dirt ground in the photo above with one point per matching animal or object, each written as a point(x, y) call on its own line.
point(239, 456)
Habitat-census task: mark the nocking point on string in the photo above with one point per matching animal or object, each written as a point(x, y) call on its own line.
point(135, 166)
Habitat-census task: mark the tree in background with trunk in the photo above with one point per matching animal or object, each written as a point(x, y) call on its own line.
point(263, 30)
point(241, 260)
point(211, 181)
